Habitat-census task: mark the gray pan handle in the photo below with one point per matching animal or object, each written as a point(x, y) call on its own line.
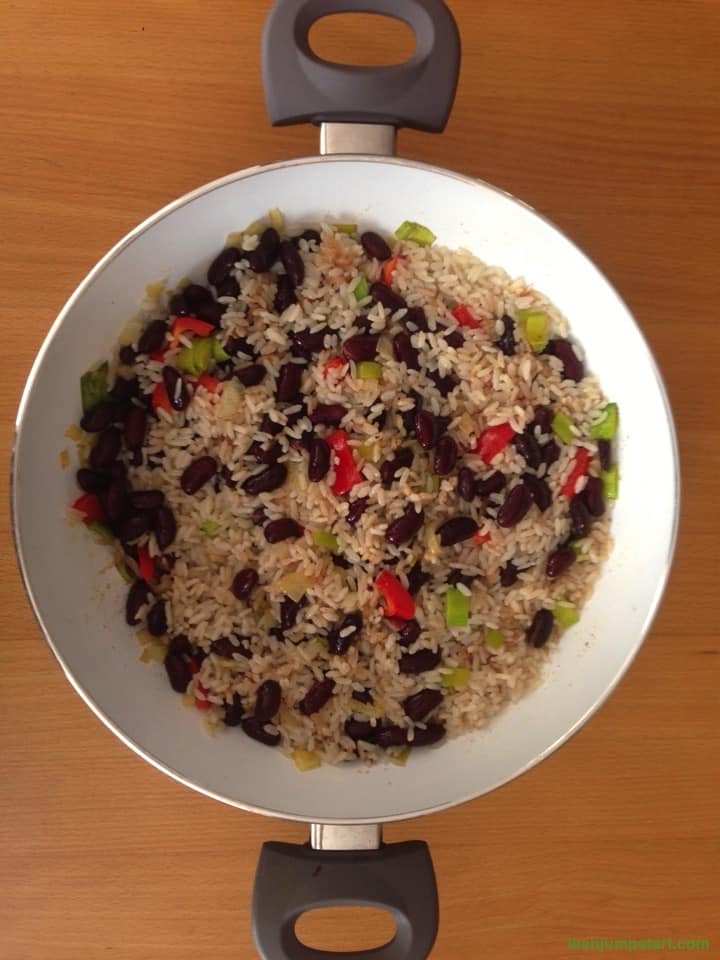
point(301, 88)
point(292, 879)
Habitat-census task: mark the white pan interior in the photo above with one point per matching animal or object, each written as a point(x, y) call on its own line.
point(79, 601)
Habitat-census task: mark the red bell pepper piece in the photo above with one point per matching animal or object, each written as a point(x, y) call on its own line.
point(481, 538)
point(189, 325)
point(398, 602)
point(89, 505)
point(579, 470)
point(146, 565)
point(335, 364)
point(389, 269)
point(160, 398)
point(493, 441)
point(201, 702)
point(465, 318)
point(158, 356)
point(194, 666)
point(211, 384)
point(347, 474)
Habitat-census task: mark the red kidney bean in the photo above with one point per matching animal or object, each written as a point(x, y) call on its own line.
point(146, 499)
point(152, 338)
point(293, 262)
point(244, 583)
point(223, 647)
point(374, 246)
point(234, 712)
point(178, 306)
point(420, 704)
point(178, 671)
point(429, 735)
point(359, 729)
point(446, 455)
point(528, 448)
point(306, 343)
point(515, 506)
point(284, 294)
point(197, 297)
point(405, 352)
point(126, 355)
point(388, 470)
point(345, 633)
point(317, 696)
point(506, 341)
point(269, 426)
point(445, 384)
point(107, 447)
point(311, 236)
point(135, 428)
point(539, 491)
point(293, 418)
point(559, 561)
point(357, 509)
point(266, 253)
point(213, 312)
point(409, 633)
point(100, 417)
point(283, 529)
point(593, 496)
point(264, 452)
point(267, 701)
point(138, 595)
point(580, 519)
point(228, 288)
point(466, 484)
point(538, 633)
point(92, 481)
point(456, 530)
point(508, 574)
point(157, 619)
point(125, 390)
point(289, 610)
point(605, 454)
point(493, 483)
point(339, 561)
point(420, 661)
point(426, 429)
point(392, 301)
point(236, 345)
point(319, 462)
point(180, 646)
point(550, 452)
point(222, 266)
point(415, 319)
point(255, 729)
point(251, 375)
point(362, 696)
point(197, 474)
point(135, 526)
point(269, 479)
point(391, 736)
point(177, 395)
point(573, 368)
point(289, 381)
point(455, 339)
point(405, 527)
point(330, 414)
point(542, 417)
point(361, 347)
point(258, 516)
point(416, 578)
point(165, 527)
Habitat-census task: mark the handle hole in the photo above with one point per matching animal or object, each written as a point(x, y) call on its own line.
point(345, 928)
point(362, 40)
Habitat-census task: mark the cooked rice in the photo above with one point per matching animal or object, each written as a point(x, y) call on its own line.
point(493, 389)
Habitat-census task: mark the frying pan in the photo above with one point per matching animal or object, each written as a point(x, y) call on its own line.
point(78, 601)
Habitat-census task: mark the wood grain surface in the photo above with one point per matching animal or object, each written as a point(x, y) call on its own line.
point(605, 117)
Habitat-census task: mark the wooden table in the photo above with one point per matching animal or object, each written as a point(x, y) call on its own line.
point(604, 116)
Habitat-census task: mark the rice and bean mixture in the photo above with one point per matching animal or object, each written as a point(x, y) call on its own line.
point(359, 486)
